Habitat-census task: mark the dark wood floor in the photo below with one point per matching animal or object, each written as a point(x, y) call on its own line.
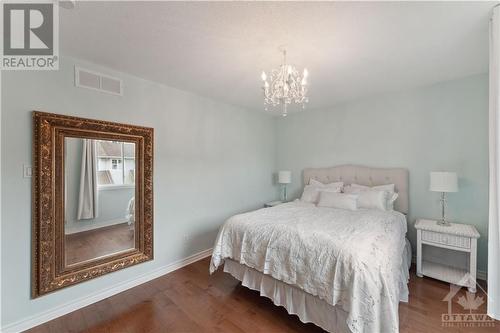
point(189, 300)
point(98, 242)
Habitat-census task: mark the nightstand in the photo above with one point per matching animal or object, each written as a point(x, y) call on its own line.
point(457, 237)
point(273, 203)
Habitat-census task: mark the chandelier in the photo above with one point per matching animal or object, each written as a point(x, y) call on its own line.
point(285, 87)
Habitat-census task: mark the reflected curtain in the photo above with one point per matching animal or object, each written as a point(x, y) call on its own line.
point(494, 150)
point(88, 197)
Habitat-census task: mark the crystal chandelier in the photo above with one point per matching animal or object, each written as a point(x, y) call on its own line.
point(286, 87)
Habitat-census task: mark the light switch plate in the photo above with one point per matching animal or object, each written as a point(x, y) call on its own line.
point(27, 171)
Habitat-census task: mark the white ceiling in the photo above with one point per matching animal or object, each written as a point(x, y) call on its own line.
point(218, 49)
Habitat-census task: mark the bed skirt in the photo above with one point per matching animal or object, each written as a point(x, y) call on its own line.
point(308, 308)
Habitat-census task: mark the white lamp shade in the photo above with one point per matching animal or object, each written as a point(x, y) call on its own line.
point(284, 177)
point(443, 182)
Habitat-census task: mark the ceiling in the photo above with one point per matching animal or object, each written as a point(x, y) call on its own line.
point(219, 49)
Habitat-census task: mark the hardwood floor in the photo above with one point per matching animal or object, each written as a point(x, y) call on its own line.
point(99, 242)
point(189, 300)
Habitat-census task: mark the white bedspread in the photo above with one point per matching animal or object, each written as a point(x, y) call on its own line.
point(347, 258)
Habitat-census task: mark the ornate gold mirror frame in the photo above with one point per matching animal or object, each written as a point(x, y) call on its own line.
point(49, 273)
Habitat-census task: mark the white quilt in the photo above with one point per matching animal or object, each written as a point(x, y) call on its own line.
point(348, 258)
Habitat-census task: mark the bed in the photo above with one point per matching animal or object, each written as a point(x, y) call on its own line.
point(345, 271)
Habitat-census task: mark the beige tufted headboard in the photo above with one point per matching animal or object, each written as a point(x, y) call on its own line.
point(350, 174)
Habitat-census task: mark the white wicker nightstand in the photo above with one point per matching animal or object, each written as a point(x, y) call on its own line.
point(457, 237)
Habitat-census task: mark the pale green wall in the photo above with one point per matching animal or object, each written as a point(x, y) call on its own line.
point(438, 127)
point(212, 160)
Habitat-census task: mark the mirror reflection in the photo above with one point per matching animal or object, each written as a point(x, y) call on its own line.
point(99, 198)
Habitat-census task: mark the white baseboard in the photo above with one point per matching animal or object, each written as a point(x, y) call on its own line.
point(102, 224)
point(61, 310)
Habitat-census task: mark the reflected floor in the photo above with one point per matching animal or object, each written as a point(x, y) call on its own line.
point(99, 242)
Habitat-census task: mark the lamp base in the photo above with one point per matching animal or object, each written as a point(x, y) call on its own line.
point(285, 196)
point(443, 223)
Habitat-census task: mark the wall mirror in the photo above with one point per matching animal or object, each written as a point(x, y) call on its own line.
point(92, 199)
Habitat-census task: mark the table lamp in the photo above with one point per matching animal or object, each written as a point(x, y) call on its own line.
point(284, 177)
point(443, 182)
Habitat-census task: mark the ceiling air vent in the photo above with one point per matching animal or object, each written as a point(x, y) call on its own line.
point(85, 78)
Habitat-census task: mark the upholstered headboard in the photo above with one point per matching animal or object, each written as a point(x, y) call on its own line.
point(350, 174)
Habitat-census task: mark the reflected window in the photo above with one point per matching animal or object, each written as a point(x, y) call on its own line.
point(115, 163)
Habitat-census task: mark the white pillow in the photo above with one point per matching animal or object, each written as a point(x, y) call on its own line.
point(310, 194)
point(311, 191)
point(389, 188)
point(391, 199)
point(373, 200)
point(336, 186)
point(338, 200)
